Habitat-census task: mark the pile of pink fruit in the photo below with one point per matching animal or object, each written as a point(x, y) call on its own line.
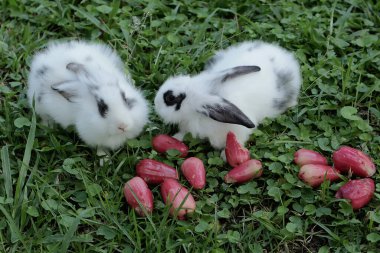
point(314, 171)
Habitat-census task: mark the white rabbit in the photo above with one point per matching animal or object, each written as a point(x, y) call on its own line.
point(240, 86)
point(84, 84)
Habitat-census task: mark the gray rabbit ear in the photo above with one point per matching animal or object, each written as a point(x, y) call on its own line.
point(68, 90)
point(226, 112)
point(75, 67)
point(79, 69)
point(83, 76)
point(236, 72)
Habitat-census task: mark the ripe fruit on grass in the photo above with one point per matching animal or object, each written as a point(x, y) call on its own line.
point(180, 199)
point(347, 158)
point(315, 174)
point(162, 143)
point(134, 189)
point(236, 154)
point(359, 192)
point(306, 156)
point(154, 172)
point(194, 171)
point(244, 172)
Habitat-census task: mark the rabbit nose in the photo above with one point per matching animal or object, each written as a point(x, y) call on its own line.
point(122, 127)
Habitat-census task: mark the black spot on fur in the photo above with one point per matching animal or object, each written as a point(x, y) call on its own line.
point(41, 71)
point(281, 104)
point(239, 71)
point(284, 81)
point(39, 98)
point(129, 102)
point(102, 107)
point(170, 99)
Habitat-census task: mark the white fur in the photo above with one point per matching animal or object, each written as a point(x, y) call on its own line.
point(105, 71)
point(254, 93)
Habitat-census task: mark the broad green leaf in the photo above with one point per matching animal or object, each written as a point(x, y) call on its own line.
point(224, 213)
point(324, 249)
point(32, 211)
point(107, 232)
point(275, 192)
point(201, 227)
point(281, 210)
point(49, 205)
point(349, 112)
point(21, 122)
point(373, 237)
point(104, 9)
point(93, 189)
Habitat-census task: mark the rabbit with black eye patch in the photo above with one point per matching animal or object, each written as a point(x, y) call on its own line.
point(239, 87)
point(84, 84)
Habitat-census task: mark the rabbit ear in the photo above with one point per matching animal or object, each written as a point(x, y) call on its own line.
point(80, 70)
point(77, 68)
point(83, 75)
point(224, 111)
point(67, 89)
point(234, 72)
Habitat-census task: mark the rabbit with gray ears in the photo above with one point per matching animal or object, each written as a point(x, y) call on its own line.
point(84, 84)
point(240, 86)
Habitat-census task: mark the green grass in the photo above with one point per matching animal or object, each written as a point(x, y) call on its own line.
point(54, 197)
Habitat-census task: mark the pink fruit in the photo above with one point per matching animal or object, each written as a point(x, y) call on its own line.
point(359, 192)
point(315, 174)
point(136, 189)
point(347, 158)
point(306, 156)
point(154, 172)
point(194, 171)
point(162, 143)
point(178, 197)
point(236, 154)
point(244, 172)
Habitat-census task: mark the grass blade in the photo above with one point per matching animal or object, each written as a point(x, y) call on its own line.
point(6, 171)
point(25, 160)
point(93, 20)
point(331, 233)
point(15, 232)
point(69, 235)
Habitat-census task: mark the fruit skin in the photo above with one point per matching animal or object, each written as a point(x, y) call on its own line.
point(194, 171)
point(174, 194)
point(162, 143)
point(315, 174)
point(143, 194)
point(236, 154)
point(347, 158)
point(244, 172)
point(306, 156)
point(154, 172)
point(358, 191)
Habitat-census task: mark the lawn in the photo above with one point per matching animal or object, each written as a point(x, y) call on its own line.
point(54, 196)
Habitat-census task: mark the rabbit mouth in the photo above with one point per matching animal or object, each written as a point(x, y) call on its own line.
point(119, 133)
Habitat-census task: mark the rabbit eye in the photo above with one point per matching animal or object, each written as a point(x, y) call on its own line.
point(170, 99)
point(102, 107)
